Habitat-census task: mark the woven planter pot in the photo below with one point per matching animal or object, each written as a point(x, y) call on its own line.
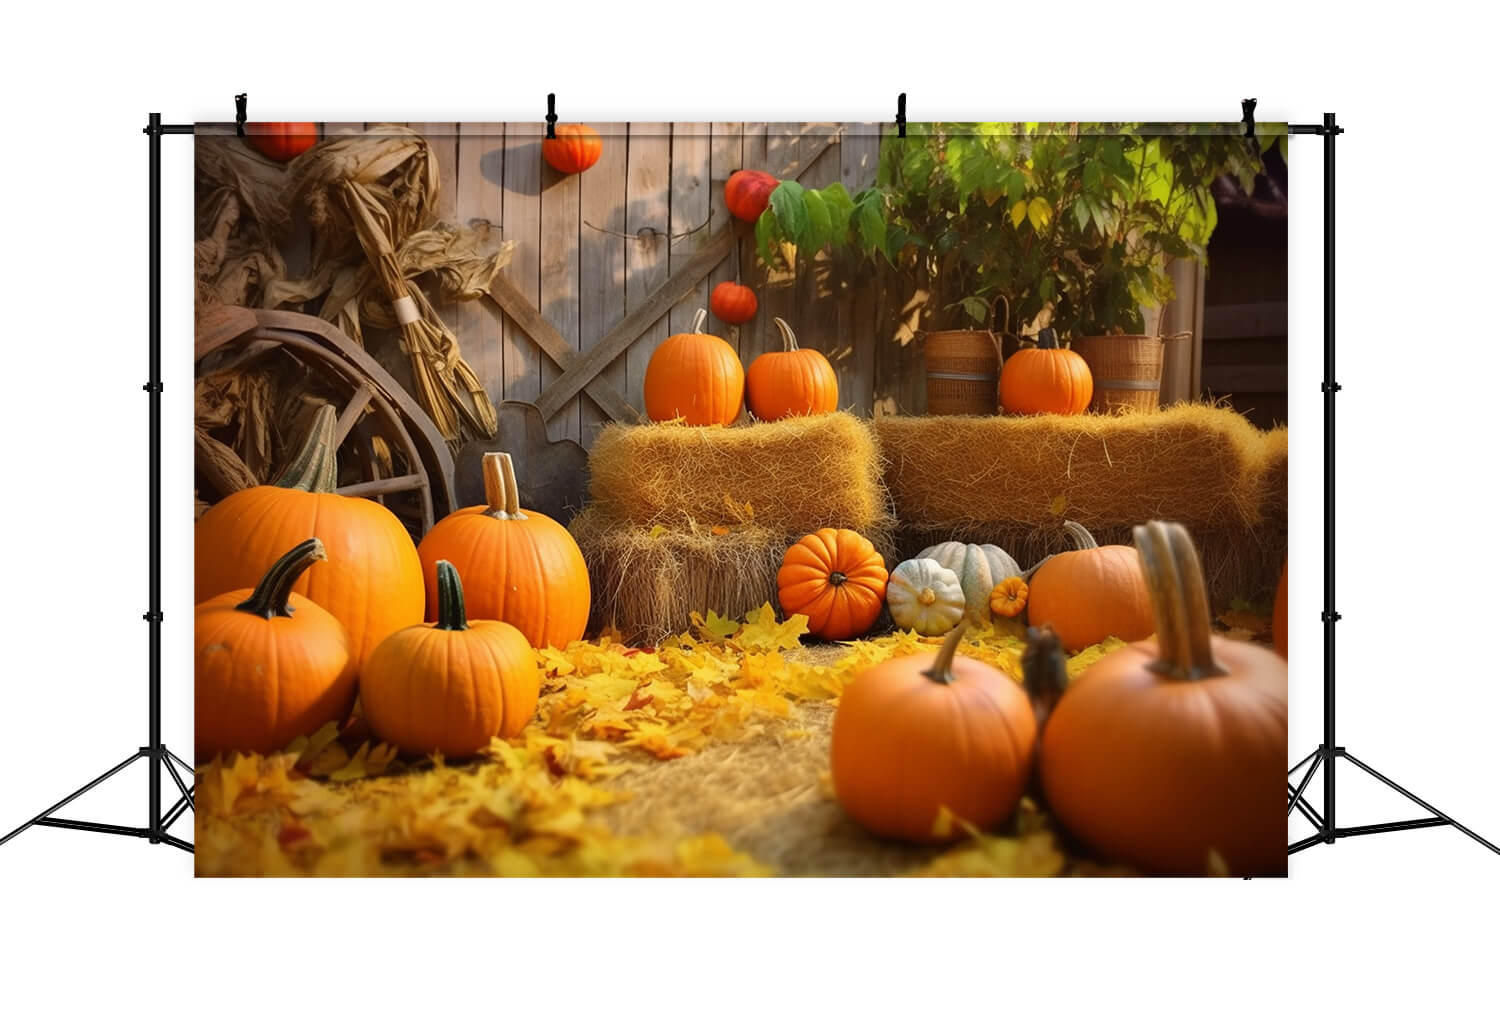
point(963, 368)
point(1126, 369)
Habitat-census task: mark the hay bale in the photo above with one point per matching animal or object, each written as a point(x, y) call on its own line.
point(1274, 503)
point(798, 475)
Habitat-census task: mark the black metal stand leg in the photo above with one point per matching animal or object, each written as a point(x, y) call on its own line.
point(41, 819)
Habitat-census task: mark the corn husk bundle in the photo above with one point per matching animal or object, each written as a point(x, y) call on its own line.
point(240, 217)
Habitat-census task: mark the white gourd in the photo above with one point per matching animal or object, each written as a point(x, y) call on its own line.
point(925, 597)
point(978, 568)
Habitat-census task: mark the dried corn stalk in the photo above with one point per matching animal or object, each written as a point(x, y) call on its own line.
point(238, 223)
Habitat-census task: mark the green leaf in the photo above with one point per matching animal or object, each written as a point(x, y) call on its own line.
point(789, 204)
point(840, 209)
point(976, 307)
point(819, 223)
point(870, 217)
point(767, 234)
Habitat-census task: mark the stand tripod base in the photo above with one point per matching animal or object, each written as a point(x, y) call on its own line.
point(1327, 834)
point(156, 832)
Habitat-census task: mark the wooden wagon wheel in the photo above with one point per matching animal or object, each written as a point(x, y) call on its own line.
point(240, 334)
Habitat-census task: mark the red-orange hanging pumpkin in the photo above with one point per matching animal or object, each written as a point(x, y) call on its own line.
point(732, 302)
point(837, 579)
point(748, 193)
point(1091, 593)
point(575, 150)
point(1046, 379)
point(792, 382)
point(281, 140)
point(696, 377)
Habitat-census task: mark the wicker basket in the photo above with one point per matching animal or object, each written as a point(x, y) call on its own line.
point(962, 370)
point(1126, 369)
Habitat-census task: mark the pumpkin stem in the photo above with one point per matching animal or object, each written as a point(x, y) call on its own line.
point(1179, 601)
point(269, 599)
point(788, 339)
point(501, 492)
point(315, 467)
point(699, 320)
point(927, 596)
point(837, 578)
point(1046, 338)
point(1079, 535)
point(450, 598)
point(1044, 671)
point(942, 666)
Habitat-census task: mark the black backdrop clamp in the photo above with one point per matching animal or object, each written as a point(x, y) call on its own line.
point(901, 116)
point(1247, 114)
point(552, 115)
point(240, 102)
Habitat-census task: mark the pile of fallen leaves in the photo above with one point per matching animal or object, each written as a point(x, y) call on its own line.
point(340, 803)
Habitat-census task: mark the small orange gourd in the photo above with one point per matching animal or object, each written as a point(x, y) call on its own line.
point(268, 665)
point(449, 687)
point(1170, 754)
point(1046, 379)
point(575, 149)
point(792, 382)
point(1008, 599)
point(732, 302)
point(837, 579)
point(696, 377)
point(522, 567)
point(1091, 593)
point(915, 735)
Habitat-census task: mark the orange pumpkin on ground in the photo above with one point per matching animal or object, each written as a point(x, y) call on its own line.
point(372, 580)
point(748, 193)
point(268, 666)
point(1092, 593)
point(1046, 379)
point(522, 567)
point(281, 140)
point(917, 734)
point(733, 303)
point(450, 686)
point(1278, 615)
point(792, 382)
point(1165, 755)
point(696, 377)
point(837, 579)
point(575, 150)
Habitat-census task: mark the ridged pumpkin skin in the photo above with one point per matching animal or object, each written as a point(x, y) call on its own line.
point(575, 150)
point(1278, 615)
point(281, 140)
point(372, 580)
point(451, 686)
point(520, 566)
point(733, 302)
point(695, 376)
point(1164, 752)
point(924, 597)
point(837, 579)
point(906, 745)
point(1046, 379)
point(1091, 594)
point(978, 568)
point(268, 666)
point(748, 193)
point(792, 382)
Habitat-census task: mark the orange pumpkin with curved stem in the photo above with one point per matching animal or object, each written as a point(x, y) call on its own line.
point(1165, 754)
point(1091, 593)
point(451, 686)
point(268, 665)
point(748, 193)
point(575, 149)
point(914, 735)
point(792, 382)
point(522, 567)
point(1046, 379)
point(372, 580)
point(837, 579)
point(695, 377)
point(733, 303)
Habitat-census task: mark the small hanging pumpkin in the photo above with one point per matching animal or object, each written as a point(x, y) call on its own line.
point(1008, 599)
point(450, 686)
point(522, 567)
point(696, 377)
point(1046, 379)
point(924, 597)
point(281, 140)
point(372, 580)
point(913, 736)
point(748, 193)
point(1091, 593)
point(837, 579)
point(575, 149)
point(978, 568)
point(792, 382)
point(732, 302)
point(1278, 616)
point(1163, 754)
point(268, 666)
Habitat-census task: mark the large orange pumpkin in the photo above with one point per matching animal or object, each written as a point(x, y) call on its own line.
point(792, 382)
point(748, 193)
point(696, 377)
point(522, 567)
point(372, 580)
point(451, 686)
point(914, 735)
point(1046, 379)
point(268, 666)
point(575, 149)
point(732, 302)
point(1167, 755)
point(837, 579)
point(281, 140)
point(1278, 616)
point(1091, 593)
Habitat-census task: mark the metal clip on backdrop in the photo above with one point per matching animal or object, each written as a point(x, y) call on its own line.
point(1326, 756)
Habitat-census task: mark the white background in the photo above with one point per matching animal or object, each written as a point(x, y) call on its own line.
point(1393, 925)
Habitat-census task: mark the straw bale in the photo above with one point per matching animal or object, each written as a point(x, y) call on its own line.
point(796, 475)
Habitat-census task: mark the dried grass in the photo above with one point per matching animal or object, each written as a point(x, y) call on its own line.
point(797, 475)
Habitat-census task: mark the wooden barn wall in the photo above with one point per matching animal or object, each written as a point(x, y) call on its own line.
point(590, 249)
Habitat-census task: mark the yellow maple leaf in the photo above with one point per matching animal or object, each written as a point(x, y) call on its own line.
point(714, 627)
point(763, 633)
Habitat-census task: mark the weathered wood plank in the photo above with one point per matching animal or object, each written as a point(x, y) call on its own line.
point(820, 293)
point(480, 326)
point(752, 271)
point(560, 281)
point(859, 154)
point(690, 199)
point(726, 151)
point(522, 213)
point(601, 263)
point(647, 216)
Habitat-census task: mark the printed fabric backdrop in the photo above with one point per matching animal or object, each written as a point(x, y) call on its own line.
point(741, 499)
